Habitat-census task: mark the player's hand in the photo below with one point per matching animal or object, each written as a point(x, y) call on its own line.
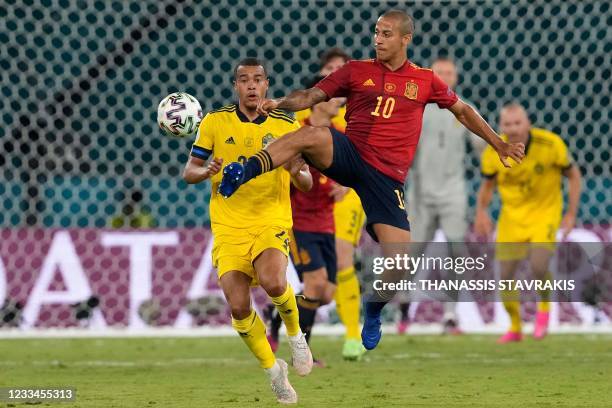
point(483, 226)
point(515, 151)
point(568, 223)
point(265, 106)
point(295, 165)
point(341, 100)
point(214, 166)
point(338, 192)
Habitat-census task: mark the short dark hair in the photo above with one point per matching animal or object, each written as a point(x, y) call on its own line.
point(249, 62)
point(332, 53)
point(406, 21)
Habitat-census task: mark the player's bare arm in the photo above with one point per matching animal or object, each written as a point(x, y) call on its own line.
point(338, 192)
point(295, 101)
point(196, 170)
point(574, 179)
point(471, 119)
point(482, 222)
point(300, 173)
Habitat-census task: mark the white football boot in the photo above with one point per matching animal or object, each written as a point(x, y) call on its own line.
point(301, 355)
point(285, 394)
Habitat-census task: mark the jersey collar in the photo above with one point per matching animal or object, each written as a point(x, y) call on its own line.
point(401, 68)
point(527, 143)
point(258, 120)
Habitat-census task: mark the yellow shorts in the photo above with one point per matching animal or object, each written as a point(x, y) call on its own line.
point(349, 218)
point(235, 249)
point(514, 241)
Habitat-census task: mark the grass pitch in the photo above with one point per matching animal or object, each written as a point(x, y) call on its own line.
point(410, 371)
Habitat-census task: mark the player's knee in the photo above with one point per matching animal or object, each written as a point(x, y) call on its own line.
point(539, 270)
point(327, 297)
point(312, 136)
point(240, 311)
point(317, 286)
point(507, 269)
point(274, 287)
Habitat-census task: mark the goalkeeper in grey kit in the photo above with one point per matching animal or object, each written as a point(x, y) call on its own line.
point(436, 188)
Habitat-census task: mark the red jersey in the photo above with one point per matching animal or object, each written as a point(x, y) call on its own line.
point(313, 211)
point(385, 108)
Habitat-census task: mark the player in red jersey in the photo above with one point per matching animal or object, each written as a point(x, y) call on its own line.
point(386, 99)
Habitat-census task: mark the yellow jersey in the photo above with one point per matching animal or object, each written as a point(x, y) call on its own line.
point(531, 192)
point(337, 121)
point(228, 134)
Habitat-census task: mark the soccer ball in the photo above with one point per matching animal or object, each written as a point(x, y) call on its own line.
point(179, 114)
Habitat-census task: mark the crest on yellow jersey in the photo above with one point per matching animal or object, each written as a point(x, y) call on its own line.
point(266, 140)
point(539, 168)
point(411, 91)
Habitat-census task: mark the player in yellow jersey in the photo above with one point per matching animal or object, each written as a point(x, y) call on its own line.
point(349, 219)
point(532, 204)
point(251, 229)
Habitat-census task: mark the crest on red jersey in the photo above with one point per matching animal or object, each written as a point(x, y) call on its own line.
point(411, 91)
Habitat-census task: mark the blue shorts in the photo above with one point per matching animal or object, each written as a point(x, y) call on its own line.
point(311, 251)
point(381, 196)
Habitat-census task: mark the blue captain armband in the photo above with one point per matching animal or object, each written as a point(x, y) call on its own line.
point(200, 152)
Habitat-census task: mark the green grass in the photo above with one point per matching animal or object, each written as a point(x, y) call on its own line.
point(416, 371)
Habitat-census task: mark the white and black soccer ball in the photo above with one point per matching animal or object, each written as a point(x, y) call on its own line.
point(179, 114)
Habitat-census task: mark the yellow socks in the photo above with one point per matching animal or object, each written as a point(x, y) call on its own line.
point(544, 306)
point(348, 301)
point(544, 303)
point(513, 307)
point(288, 310)
point(253, 333)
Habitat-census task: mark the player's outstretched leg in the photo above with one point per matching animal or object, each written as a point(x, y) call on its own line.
point(233, 176)
point(314, 142)
point(371, 331)
point(394, 242)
